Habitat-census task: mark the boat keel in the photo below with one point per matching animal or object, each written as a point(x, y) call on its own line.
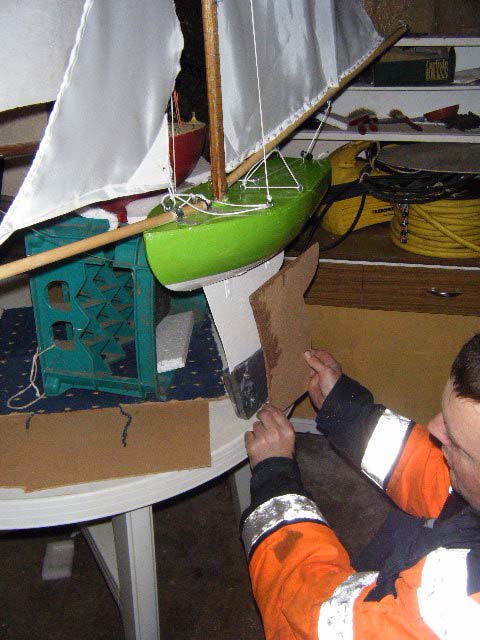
point(244, 369)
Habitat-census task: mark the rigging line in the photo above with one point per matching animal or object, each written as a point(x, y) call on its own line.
point(174, 176)
point(177, 107)
point(314, 140)
point(246, 208)
point(248, 177)
point(191, 198)
point(269, 197)
point(298, 185)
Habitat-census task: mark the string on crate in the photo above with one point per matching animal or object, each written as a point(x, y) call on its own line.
point(32, 384)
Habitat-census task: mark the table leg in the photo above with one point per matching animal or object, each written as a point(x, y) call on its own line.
point(99, 536)
point(137, 574)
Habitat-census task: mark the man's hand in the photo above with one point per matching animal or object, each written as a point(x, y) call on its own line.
point(324, 373)
point(272, 436)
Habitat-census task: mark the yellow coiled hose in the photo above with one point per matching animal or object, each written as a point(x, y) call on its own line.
point(441, 229)
point(346, 168)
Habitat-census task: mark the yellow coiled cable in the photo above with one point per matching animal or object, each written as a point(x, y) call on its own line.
point(441, 229)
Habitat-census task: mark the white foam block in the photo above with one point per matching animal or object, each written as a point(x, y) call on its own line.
point(58, 560)
point(173, 336)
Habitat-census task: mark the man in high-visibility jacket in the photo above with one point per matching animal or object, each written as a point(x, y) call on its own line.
point(421, 582)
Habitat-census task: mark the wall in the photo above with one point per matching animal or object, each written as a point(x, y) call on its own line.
point(461, 17)
point(20, 125)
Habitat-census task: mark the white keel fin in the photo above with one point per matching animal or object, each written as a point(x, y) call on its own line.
point(233, 316)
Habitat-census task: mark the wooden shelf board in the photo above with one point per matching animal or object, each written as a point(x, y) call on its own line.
point(372, 245)
point(395, 133)
point(438, 87)
point(439, 41)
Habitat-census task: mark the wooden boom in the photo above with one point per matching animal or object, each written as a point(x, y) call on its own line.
point(88, 244)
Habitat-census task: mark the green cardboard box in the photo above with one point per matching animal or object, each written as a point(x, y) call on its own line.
point(412, 66)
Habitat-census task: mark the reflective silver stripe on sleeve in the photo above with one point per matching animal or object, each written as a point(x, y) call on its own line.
point(384, 446)
point(335, 621)
point(442, 596)
point(270, 514)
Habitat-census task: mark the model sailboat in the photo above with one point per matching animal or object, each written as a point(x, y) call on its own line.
point(107, 136)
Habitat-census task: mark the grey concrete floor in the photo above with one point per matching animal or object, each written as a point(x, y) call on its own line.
point(204, 590)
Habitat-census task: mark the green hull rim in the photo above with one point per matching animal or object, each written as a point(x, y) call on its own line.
point(206, 245)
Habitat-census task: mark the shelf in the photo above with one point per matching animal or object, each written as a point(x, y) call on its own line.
point(372, 246)
point(394, 133)
point(438, 87)
point(439, 41)
point(414, 101)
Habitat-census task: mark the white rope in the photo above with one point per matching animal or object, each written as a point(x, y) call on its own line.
point(177, 200)
point(297, 184)
point(245, 208)
point(173, 179)
point(320, 127)
point(248, 176)
point(248, 182)
point(33, 376)
point(169, 200)
point(269, 197)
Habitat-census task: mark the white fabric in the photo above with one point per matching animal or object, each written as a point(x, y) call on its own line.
point(442, 597)
point(335, 621)
point(304, 48)
point(37, 37)
point(107, 135)
point(97, 213)
point(384, 446)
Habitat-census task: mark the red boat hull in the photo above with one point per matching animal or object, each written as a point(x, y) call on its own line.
point(189, 140)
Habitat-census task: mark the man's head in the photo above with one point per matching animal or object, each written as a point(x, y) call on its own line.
point(457, 427)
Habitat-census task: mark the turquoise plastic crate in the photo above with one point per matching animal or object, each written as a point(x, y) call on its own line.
point(90, 311)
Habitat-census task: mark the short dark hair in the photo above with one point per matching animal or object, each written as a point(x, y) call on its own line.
point(465, 372)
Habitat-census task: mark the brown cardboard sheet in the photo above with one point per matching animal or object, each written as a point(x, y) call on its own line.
point(281, 317)
point(85, 446)
point(404, 358)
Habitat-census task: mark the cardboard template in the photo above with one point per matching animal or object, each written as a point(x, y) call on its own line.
point(86, 446)
point(403, 357)
point(281, 316)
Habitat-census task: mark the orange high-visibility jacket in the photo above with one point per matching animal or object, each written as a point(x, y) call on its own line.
point(301, 574)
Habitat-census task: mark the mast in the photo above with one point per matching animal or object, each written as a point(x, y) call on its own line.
point(214, 93)
point(219, 179)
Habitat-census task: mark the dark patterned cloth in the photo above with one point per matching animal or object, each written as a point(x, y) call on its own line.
point(200, 378)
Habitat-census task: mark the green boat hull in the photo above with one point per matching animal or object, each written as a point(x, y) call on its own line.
point(184, 253)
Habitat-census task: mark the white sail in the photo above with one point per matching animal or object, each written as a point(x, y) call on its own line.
point(37, 37)
point(303, 47)
point(107, 135)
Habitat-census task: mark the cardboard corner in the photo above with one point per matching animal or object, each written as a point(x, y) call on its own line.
point(283, 326)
